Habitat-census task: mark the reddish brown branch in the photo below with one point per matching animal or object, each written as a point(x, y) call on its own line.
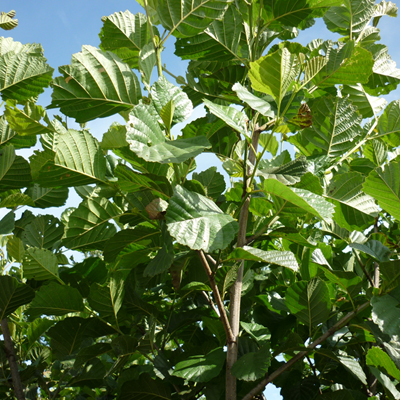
point(12, 361)
point(222, 313)
point(268, 379)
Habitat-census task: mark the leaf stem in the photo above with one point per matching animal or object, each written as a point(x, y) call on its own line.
point(299, 356)
point(156, 41)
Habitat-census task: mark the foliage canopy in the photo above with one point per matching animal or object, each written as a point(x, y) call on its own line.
point(189, 289)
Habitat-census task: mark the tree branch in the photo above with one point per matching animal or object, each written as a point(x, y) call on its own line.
point(222, 313)
point(268, 379)
point(12, 361)
point(236, 289)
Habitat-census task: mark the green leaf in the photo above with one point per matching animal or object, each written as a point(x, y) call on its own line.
point(309, 301)
point(107, 300)
point(7, 224)
point(282, 258)
point(367, 105)
point(348, 281)
point(373, 248)
point(125, 35)
point(231, 116)
point(219, 42)
point(258, 332)
point(221, 136)
point(88, 226)
point(27, 121)
point(145, 388)
point(354, 210)
point(88, 353)
point(305, 200)
point(146, 139)
point(8, 136)
point(389, 124)
point(15, 199)
point(43, 232)
point(15, 248)
point(351, 18)
point(55, 299)
point(376, 357)
point(274, 74)
point(384, 8)
point(213, 182)
point(6, 20)
point(346, 65)
point(383, 186)
point(78, 161)
point(23, 74)
point(40, 264)
point(13, 295)
point(353, 366)
point(386, 314)
point(289, 173)
point(201, 368)
point(147, 62)
point(95, 85)
point(256, 103)
point(197, 222)
point(47, 197)
point(164, 258)
point(376, 151)
point(391, 273)
point(162, 92)
point(91, 375)
point(336, 124)
point(185, 18)
point(386, 382)
point(252, 366)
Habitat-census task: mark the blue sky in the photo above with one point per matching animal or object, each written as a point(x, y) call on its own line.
point(63, 27)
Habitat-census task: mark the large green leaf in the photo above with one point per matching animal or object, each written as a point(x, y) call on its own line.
point(231, 116)
point(27, 121)
point(47, 197)
point(221, 136)
point(23, 71)
point(125, 35)
point(55, 299)
point(88, 227)
point(385, 76)
point(385, 381)
point(213, 182)
point(375, 249)
point(309, 301)
point(147, 140)
point(351, 18)
point(197, 222)
point(162, 92)
point(384, 186)
point(15, 172)
point(376, 357)
point(389, 124)
point(367, 105)
point(274, 73)
point(78, 160)
point(336, 124)
point(391, 273)
point(8, 136)
point(201, 368)
point(253, 365)
point(13, 295)
point(354, 210)
point(43, 232)
point(386, 314)
point(256, 103)
point(282, 258)
point(7, 224)
point(40, 264)
point(145, 388)
point(186, 18)
point(304, 199)
point(219, 42)
point(346, 65)
point(107, 300)
point(97, 84)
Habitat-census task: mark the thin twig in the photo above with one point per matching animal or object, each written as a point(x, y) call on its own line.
point(363, 268)
point(12, 361)
point(376, 265)
point(299, 356)
point(222, 313)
